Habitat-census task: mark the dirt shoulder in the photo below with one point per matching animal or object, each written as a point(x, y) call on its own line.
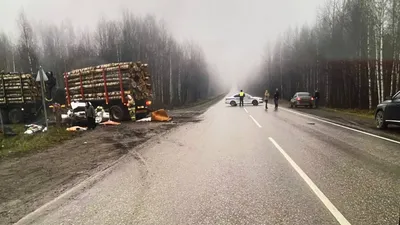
point(360, 121)
point(29, 181)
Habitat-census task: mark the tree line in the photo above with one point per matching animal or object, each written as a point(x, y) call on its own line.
point(179, 71)
point(351, 55)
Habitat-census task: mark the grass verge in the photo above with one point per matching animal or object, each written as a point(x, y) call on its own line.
point(24, 143)
point(355, 112)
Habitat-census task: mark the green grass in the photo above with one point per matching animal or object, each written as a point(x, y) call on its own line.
point(24, 143)
point(356, 112)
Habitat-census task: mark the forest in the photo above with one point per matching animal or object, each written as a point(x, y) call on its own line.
point(179, 71)
point(350, 54)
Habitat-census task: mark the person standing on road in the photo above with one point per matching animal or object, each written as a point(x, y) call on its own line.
point(90, 116)
point(241, 97)
point(276, 98)
point(131, 108)
point(316, 97)
point(266, 96)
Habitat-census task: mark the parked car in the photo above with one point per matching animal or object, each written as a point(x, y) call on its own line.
point(248, 99)
point(388, 112)
point(302, 99)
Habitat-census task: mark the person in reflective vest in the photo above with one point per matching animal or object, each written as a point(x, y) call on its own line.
point(241, 97)
point(131, 108)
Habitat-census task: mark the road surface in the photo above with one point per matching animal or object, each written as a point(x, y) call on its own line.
point(247, 166)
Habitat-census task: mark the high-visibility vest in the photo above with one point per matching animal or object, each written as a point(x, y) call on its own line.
point(241, 94)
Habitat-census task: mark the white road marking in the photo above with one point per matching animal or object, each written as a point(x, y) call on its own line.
point(335, 212)
point(255, 121)
point(341, 126)
point(246, 110)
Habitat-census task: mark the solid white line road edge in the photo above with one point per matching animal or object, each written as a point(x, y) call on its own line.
point(246, 110)
point(341, 126)
point(328, 204)
point(255, 121)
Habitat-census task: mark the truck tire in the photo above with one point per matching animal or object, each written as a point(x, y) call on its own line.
point(16, 116)
point(117, 113)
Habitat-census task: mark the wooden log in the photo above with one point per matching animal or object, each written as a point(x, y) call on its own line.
point(101, 94)
point(135, 78)
point(125, 75)
point(96, 81)
point(7, 77)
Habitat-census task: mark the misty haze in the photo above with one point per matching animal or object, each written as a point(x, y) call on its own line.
point(199, 112)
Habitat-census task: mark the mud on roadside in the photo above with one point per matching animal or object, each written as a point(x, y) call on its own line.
point(32, 180)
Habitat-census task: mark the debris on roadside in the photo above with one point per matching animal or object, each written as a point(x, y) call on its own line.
point(76, 128)
point(147, 119)
point(160, 116)
point(34, 128)
point(110, 122)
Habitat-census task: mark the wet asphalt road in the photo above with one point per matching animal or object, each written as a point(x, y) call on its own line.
point(247, 166)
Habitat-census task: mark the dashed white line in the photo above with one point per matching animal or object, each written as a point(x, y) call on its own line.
point(246, 110)
point(335, 212)
point(255, 121)
point(341, 126)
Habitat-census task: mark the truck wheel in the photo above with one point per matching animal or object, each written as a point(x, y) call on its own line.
point(16, 116)
point(116, 113)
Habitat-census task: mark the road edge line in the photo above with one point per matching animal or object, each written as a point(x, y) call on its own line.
point(255, 121)
point(341, 126)
point(328, 204)
point(245, 110)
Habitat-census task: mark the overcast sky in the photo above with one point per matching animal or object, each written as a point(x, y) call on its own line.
point(233, 33)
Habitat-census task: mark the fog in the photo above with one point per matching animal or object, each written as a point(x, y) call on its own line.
point(233, 33)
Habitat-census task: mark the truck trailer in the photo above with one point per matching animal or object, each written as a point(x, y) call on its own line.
point(108, 86)
point(20, 96)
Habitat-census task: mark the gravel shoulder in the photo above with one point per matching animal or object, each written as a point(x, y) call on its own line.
point(29, 181)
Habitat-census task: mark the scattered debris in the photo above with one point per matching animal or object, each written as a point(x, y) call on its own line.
point(148, 119)
point(110, 122)
point(76, 128)
point(34, 128)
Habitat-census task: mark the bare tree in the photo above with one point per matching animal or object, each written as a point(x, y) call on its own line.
point(351, 55)
point(27, 45)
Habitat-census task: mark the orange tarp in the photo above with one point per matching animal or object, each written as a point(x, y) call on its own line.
point(160, 115)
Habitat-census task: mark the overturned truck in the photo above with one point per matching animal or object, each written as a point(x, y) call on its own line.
point(109, 85)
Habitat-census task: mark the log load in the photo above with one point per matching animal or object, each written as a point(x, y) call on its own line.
point(108, 81)
point(18, 88)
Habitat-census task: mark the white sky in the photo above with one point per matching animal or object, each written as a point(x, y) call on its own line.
point(233, 33)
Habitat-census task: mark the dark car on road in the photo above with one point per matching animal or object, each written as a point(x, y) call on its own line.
point(302, 99)
point(388, 112)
